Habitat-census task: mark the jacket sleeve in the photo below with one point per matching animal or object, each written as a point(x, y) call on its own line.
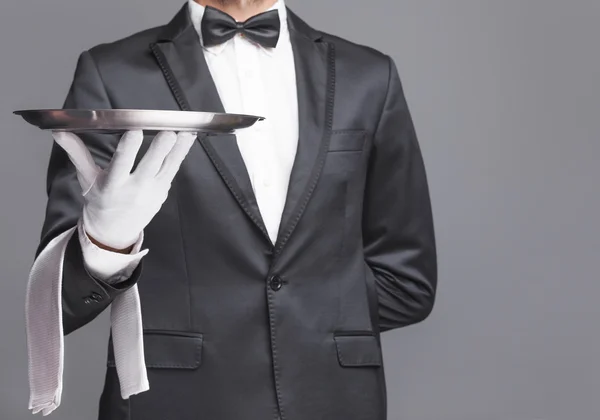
point(398, 232)
point(83, 296)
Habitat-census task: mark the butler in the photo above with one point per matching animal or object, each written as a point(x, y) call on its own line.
point(275, 258)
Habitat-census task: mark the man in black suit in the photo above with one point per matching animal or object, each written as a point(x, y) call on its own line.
point(256, 304)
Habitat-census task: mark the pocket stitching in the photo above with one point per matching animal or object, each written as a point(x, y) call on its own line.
point(374, 362)
point(348, 131)
point(197, 359)
point(197, 353)
point(362, 133)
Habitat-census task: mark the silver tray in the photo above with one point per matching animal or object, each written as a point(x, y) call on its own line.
point(121, 120)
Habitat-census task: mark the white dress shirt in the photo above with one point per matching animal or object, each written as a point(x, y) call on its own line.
point(250, 80)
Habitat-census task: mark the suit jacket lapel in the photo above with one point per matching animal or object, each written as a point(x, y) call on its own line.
point(315, 78)
point(180, 57)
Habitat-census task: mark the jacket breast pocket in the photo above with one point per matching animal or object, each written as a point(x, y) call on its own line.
point(169, 350)
point(347, 140)
point(345, 152)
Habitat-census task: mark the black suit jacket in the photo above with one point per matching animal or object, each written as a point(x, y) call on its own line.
point(236, 328)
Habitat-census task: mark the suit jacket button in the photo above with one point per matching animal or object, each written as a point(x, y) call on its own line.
point(276, 283)
point(94, 297)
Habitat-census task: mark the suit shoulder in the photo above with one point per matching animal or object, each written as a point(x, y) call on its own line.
point(363, 64)
point(357, 53)
point(131, 46)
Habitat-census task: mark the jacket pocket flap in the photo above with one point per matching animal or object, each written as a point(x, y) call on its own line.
point(169, 350)
point(358, 350)
point(347, 140)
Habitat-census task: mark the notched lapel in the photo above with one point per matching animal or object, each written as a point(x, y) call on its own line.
point(180, 57)
point(315, 78)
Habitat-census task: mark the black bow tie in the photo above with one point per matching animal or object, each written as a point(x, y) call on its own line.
point(218, 27)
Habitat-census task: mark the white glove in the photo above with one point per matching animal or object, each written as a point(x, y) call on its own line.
point(119, 204)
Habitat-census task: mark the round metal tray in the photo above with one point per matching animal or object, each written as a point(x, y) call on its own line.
point(121, 120)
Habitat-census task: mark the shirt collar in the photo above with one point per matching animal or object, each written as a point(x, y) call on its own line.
point(196, 11)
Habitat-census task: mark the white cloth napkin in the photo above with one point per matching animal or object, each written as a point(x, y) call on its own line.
point(45, 339)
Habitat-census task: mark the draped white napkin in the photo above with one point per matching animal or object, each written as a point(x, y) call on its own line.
point(45, 338)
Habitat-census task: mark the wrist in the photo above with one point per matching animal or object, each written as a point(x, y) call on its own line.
point(116, 238)
point(109, 248)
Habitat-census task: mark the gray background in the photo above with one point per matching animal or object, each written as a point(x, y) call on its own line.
point(506, 99)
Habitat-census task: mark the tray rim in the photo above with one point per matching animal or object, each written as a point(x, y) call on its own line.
point(20, 112)
point(78, 120)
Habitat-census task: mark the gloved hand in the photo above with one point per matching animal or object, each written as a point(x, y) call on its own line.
point(119, 204)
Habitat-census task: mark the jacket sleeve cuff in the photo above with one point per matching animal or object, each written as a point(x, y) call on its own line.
point(84, 297)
